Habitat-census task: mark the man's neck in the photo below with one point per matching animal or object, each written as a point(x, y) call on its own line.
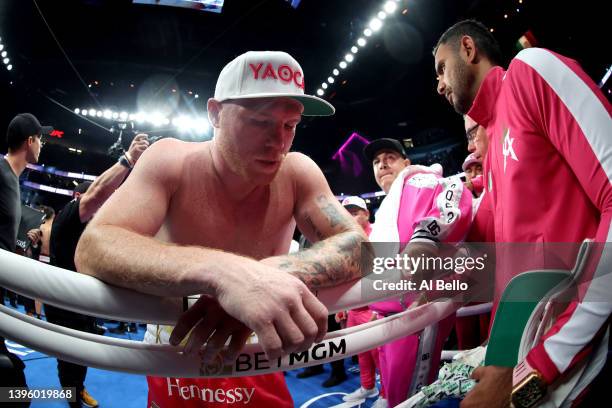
point(481, 73)
point(235, 187)
point(17, 161)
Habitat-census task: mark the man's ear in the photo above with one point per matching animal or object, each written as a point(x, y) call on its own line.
point(407, 161)
point(468, 48)
point(214, 111)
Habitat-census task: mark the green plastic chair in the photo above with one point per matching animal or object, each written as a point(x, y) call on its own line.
point(522, 296)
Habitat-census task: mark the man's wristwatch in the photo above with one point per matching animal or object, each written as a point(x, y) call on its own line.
point(125, 162)
point(528, 386)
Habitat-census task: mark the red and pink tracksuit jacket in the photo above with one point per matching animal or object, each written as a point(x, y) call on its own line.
point(547, 176)
point(421, 206)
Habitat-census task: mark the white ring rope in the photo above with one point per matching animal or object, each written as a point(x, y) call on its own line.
point(82, 293)
point(167, 361)
point(90, 296)
point(72, 291)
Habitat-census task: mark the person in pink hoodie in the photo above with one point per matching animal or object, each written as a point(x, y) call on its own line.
point(421, 209)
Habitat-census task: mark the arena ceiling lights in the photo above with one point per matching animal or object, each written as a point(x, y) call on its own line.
point(5, 58)
point(376, 23)
point(182, 123)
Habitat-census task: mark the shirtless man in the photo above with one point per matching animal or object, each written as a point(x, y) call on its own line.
point(216, 219)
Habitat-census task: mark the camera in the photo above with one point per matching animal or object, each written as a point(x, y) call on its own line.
point(126, 134)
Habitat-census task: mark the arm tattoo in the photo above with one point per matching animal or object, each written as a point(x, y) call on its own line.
point(335, 258)
point(314, 228)
point(332, 261)
point(330, 211)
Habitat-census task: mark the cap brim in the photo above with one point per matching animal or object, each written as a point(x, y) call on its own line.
point(313, 106)
point(45, 130)
point(354, 206)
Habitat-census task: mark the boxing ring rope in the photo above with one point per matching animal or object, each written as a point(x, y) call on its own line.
point(67, 289)
point(168, 361)
point(87, 295)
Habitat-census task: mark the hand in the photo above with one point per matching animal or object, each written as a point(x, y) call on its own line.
point(137, 147)
point(283, 312)
point(493, 388)
point(419, 301)
point(213, 326)
point(34, 235)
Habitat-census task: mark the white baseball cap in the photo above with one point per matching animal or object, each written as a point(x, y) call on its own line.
point(469, 160)
point(268, 74)
point(355, 201)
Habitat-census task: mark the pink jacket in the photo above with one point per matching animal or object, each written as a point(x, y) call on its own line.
point(547, 175)
point(429, 208)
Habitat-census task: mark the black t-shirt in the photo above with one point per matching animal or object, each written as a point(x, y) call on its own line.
point(65, 233)
point(10, 206)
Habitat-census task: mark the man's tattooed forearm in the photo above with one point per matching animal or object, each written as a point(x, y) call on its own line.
point(327, 262)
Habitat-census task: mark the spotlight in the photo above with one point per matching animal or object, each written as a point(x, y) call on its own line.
point(336, 72)
point(375, 24)
point(330, 80)
point(99, 114)
point(324, 85)
point(349, 57)
point(201, 125)
point(3, 54)
point(9, 67)
point(1, 47)
point(123, 115)
point(320, 92)
point(382, 15)
point(367, 32)
point(182, 123)
point(92, 112)
point(354, 49)
point(361, 42)
point(108, 114)
point(6, 60)
point(140, 117)
point(342, 64)
point(157, 119)
point(77, 111)
point(390, 7)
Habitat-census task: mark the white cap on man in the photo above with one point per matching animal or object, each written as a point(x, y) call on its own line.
point(470, 160)
point(268, 74)
point(354, 201)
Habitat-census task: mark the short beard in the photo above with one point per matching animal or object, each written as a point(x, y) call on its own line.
point(462, 102)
